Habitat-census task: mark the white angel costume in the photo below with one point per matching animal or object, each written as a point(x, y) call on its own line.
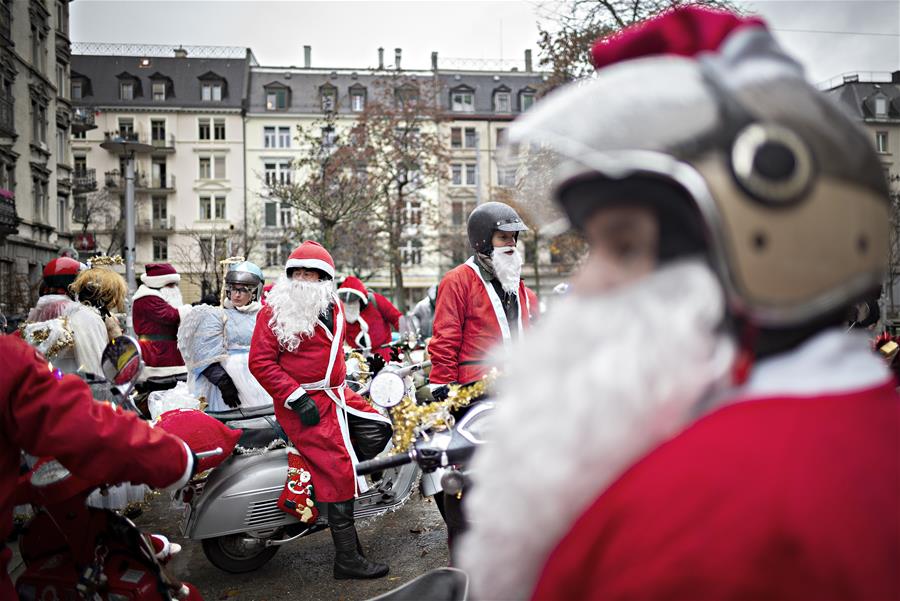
point(210, 335)
point(70, 334)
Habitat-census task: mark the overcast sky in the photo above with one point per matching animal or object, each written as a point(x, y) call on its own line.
point(829, 37)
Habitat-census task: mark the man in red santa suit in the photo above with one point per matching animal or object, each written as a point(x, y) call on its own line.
point(157, 310)
point(296, 354)
point(66, 331)
point(47, 414)
point(693, 421)
point(370, 317)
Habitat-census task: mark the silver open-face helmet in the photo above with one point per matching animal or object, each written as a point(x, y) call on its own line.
point(789, 194)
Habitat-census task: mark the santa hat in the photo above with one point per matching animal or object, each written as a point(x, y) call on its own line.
point(160, 274)
point(354, 286)
point(311, 255)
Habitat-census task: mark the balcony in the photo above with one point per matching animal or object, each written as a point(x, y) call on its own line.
point(115, 180)
point(156, 225)
point(84, 181)
point(124, 142)
point(161, 183)
point(9, 219)
point(83, 119)
point(164, 144)
point(7, 116)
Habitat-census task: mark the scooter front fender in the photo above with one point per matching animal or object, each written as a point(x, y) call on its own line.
point(241, 495)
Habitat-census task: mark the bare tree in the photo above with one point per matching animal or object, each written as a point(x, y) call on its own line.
point(202, 250)
point(570, 29)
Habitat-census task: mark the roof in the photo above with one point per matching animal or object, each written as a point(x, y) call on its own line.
point(185, 74)
point(858, 98)
point(304, 85)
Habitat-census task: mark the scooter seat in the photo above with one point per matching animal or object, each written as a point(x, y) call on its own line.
point(239, 413)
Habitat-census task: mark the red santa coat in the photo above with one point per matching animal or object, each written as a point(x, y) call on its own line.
point(46, 416)
point(316, 367)
point(792, 498)
point(156, 325)
point(468, 321)
point(379, 321)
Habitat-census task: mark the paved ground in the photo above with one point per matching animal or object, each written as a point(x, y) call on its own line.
point(411, 540)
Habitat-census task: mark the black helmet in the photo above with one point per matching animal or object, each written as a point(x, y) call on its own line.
point(489, 218)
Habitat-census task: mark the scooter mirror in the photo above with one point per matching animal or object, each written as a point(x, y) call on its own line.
point(121, 361)
point(387, 389)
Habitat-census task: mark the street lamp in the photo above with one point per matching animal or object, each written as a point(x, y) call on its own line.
point(127, 146)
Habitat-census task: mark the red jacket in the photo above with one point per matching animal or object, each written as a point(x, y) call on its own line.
point(466, 326)
point(46, 416)
point(379, 320)
point(766, 499)
point(156, 325)
point(282, 374)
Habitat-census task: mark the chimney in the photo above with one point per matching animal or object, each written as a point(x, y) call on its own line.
point(434, 61)
point(307, 57)
point(398, 52)
point(528, 60)
point(180, 52)
point(895, 77)
point(381, 59)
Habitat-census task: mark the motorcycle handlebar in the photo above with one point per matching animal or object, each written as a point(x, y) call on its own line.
point(383, 463)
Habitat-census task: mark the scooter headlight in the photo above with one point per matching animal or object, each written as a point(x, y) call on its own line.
point(476, 425)
point(387, 389)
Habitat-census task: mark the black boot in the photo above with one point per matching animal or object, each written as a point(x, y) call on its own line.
point(349, 561)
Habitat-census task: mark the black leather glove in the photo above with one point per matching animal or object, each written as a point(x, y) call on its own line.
point(440, 393)
point(306, 408)
point(376, 363)
point(216, 374)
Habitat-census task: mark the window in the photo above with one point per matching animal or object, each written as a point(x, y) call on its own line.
point(881, 107)
point(329, 138)
point(459, 212)
point(470, 174)
point(506, 176)
point(881, 141)
point(412, 212)
point(160, 248)
point(205, 208)
point(271, 216)
point(205, 168)
point(157, 130)
point(278, 172)
point(219, 129)
point(77, 90)
point(269, 137)
point(80, 165)
point(456, 170)
point(219, 166)
point(471, 138)
point(502, 102)
point(61, 78)
point(357, 100)
point(203, 125)
point(462, 174)
point(219, 207)
point(62, 146)
point(159, 90)
point(272, 253)
point(62, 213)
point(286, 215)
point(126, 90)
point(284, 137)
point(159, 210)
point(526, 99)
point(412, 252)
point(406, 96)
point(39, 122)
point(38, 49)
point(80, 135)
point(158, 174)
point(41, 208)
point(455, 137)
point(462, 102)
point(126, 128)
point(276, 99)
point(211, 91)
point(328, 99)
point(501, 136)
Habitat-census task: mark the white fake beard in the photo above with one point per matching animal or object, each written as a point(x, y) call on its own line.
point(595, 386)
point(296, 307)
point(507, 267)
point(172, 295)
point(351, 311)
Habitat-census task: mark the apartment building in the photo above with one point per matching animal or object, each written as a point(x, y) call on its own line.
point(36, 114)
point(183, 109)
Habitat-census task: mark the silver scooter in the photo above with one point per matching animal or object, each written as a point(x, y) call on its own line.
point(234, 510)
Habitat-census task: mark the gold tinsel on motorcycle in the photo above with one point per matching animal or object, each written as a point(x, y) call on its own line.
point(410, 418)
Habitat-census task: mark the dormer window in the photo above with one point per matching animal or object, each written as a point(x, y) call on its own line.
point(406, 95)
point(129, 86)
point(502, 100)
point(526, 98)
point(328, 98)
point(213, 87)
point(77, 90)
point(462, 100)
point(160, 87)
point(881, 107)
point(278, 97)
point(80, 86)
point(357, 98)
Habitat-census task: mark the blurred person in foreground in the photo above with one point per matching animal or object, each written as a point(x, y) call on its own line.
point(714, 431)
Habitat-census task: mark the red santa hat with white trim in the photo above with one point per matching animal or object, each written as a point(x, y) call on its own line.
point(310, 255)
point(352, 287)
point(158, 275)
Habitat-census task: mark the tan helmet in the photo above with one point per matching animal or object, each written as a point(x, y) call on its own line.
point(790, 191)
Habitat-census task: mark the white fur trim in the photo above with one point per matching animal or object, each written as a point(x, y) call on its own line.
point(310, 264)
point(158, 281)
point(362, 297)
point(299, 392)
point(143, 291)
point(183, 310)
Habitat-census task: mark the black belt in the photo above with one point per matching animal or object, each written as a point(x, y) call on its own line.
point(473, 362)
point(156, 338)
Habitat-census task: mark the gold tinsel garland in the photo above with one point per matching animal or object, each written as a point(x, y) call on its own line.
point(37, 336)
point(410, 418)
point(105, 260)
point(364, 373)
